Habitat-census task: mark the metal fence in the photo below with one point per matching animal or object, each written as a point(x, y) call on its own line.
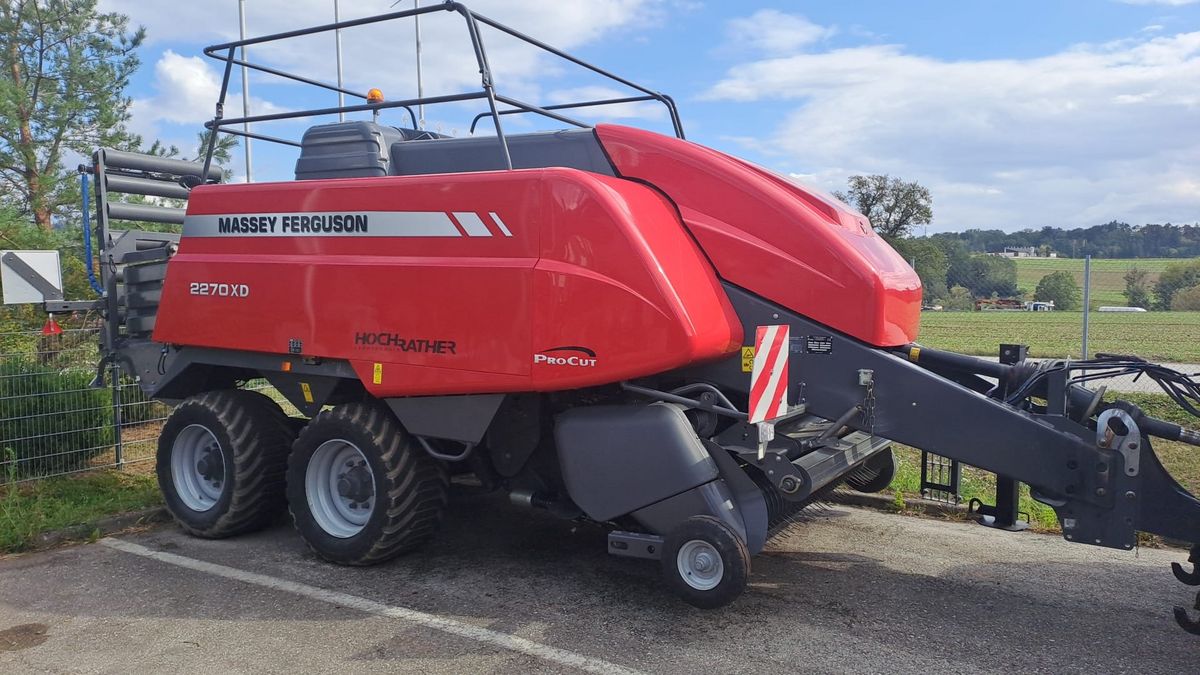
point(53, 422)
point(1093, 320)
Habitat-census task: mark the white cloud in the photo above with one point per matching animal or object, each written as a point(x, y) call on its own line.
point(776, 32)
point(382, 54)
point(1083, 136)
point(186, 90)
point(377, 55)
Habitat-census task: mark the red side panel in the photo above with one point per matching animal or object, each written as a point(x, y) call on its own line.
point(453, 284)
point(618, 265)
point(769, 236)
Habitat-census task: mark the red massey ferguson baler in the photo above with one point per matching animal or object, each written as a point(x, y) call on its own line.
point(570, 317)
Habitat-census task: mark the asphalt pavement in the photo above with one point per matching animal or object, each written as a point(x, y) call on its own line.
point(506, 590)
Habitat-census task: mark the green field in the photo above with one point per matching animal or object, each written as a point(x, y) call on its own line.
point(1158, 336)
point(1108, 275)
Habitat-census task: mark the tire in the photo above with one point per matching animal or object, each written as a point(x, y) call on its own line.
point(875, 474)
point(689, 554)
point(389, 494)
point(249, 434)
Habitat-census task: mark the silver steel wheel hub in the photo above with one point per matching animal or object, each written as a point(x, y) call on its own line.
point(340, 488)
point(700, 565)
point(197, 467)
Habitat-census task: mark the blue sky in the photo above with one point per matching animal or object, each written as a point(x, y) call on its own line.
point(1016, 114)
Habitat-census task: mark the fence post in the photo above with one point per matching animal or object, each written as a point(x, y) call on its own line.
point(115, 373)
point(1087, 299)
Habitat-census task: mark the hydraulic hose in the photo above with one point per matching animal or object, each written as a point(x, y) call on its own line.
point(1079, 397)
point(87, 236)
point(939, 359)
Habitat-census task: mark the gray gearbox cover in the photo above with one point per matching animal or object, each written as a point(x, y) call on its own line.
point(617, 459)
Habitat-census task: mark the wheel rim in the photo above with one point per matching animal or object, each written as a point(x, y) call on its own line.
point(197, 467)
point(340, 488)
point(700, 565)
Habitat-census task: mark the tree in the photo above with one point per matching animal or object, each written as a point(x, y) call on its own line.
point(65, 70)
point(1060, 288)
point(1175, 278)
point(892, 205)
point(959, 299)
point(984, 275)
point(1137, 290)
point(930, 263)
point(1186, 300)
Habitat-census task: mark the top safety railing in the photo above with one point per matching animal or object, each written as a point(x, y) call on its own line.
point(227, 53)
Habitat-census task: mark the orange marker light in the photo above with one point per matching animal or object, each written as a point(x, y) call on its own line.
point(287, 366)
point(374, 96)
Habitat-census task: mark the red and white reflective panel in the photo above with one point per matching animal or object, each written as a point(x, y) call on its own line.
point(768, 380)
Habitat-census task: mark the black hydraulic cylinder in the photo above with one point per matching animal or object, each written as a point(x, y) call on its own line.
point(939, 359)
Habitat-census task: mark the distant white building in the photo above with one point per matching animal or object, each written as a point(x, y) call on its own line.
point(1023, 252)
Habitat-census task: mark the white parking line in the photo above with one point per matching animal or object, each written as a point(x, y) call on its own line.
point(466, 630)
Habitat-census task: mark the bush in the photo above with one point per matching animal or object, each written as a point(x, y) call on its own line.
point(50, 420)
point(1176, 277)
point(985, 276)
point(1186, 300)
point(1060, 288)
point(959, 300)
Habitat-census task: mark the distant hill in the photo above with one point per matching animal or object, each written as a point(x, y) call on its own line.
point(1111, 240)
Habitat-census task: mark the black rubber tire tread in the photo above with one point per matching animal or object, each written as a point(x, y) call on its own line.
point(255, 439)
point(140, 324)
point(734, 555)
point(143, 299)
point(140, 274)
point(410, 486)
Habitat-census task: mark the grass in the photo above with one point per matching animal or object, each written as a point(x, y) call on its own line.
point(1181, 460)
point(974, 484)
point(1108, 275)
point(1158, 336)
point(30, 509)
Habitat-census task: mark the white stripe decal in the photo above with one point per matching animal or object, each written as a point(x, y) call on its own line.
point(472, 223)
point(323, 224)
point(768, 397)
point(759, 410)
point(561, 657)
point(503, 228)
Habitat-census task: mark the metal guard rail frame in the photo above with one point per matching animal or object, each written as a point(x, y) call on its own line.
point(225, 52)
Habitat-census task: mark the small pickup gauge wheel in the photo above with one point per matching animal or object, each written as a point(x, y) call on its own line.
point(705, 562)
point(221, 460)
point(360, 490)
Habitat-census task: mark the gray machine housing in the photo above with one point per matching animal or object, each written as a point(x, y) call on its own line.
point(366, 149)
